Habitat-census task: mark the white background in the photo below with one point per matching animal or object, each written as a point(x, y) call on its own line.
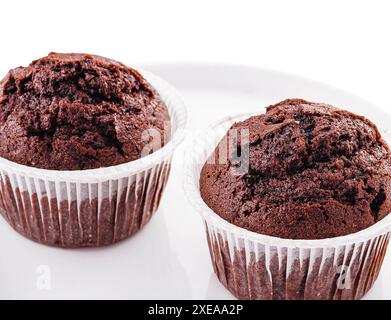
point(343, 43)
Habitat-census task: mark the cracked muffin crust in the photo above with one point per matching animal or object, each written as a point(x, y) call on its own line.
point(77, 111)
point(314, 172)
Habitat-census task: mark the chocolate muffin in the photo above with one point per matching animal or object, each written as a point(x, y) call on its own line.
point(314, 172)
point(66, 113)
point(77, 111)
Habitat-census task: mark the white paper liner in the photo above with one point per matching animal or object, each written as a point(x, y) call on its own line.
point(94, 207)
point(255, 266)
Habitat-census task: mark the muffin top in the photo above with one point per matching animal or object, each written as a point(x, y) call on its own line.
point(313, 172)
point(78, 111)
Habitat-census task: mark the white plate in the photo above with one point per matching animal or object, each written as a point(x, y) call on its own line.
point(169, 258)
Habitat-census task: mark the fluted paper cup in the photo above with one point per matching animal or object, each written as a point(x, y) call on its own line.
point(96, 207)
point(256, 266)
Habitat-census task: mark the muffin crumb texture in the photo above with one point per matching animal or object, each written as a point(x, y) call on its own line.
point(315, 172)
point(77, 111)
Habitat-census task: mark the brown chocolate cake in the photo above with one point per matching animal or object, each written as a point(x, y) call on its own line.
point(76, 111)
point(314, 172)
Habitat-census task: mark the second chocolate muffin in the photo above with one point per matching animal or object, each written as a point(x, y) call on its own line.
point(315, 172)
